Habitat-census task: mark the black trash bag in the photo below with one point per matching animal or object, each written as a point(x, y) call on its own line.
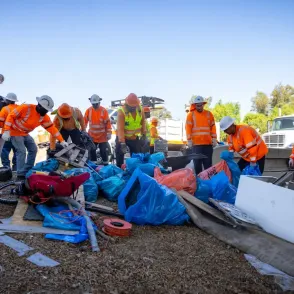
point(87, 142)
point(5, 174)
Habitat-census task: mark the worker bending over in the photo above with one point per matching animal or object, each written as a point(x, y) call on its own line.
point(8, 105)
point(70, 122)
point(245, 141)
point(153, 133)
point(131, 128)
point(99, 128)
point(201, 133)
point(23, 120)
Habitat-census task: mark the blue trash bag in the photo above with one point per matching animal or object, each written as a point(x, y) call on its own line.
point(233, 166)
point(222, 189)
point(144, 157)
point(90, 186)
point(91, 164)
point(145, 202)
point(45, 166)
point(204, 190)
point(109, 171)
point(251, 171)
point(156, 158)
point(112, 187)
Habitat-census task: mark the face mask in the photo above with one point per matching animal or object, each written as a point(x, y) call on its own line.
point(96, 105)
point(41, 110)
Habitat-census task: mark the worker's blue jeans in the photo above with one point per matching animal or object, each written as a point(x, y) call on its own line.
point(24, 144)
point(5, 155)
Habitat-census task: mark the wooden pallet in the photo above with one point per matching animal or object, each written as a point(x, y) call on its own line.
point(72, 155)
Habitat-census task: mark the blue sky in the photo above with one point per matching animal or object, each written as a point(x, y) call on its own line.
point(169, 49)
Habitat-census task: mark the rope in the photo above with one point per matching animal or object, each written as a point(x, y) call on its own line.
point(116, 227)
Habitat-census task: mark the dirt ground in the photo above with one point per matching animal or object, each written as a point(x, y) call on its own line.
point(165, 259)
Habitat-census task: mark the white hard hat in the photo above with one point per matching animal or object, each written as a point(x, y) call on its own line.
point(46, 102)
point(226, 122)
point(198, 99)
point(95, 99)
point(11, 97)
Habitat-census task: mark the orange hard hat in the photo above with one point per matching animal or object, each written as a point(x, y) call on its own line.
point(154, 120)
point(132, 100)
point(64, 111)
point(146, 109)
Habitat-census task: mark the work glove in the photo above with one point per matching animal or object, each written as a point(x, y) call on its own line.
point(6, 136)
point(123, 148)
point(214, 142)
point(291, 163)
point(108, 136)
point(64, 144)
point(189, 143)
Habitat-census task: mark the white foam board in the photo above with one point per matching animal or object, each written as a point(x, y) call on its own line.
point(271, 206)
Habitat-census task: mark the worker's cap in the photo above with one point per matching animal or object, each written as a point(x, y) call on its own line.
point(11, 97)
point(226, 122)
point(198, 100)
point(94, 99)
point(46, 102)
point(154, 119)
point(64, 111)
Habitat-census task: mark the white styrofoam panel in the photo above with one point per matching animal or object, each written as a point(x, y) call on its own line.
point(271, 206)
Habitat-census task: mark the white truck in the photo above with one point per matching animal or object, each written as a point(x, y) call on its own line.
point(280, 132)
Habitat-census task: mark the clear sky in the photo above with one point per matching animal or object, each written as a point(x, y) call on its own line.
point(70, 49)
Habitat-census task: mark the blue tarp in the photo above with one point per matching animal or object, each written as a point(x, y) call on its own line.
point(45, 166)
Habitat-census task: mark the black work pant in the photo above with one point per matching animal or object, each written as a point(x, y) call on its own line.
point(206, 150)
point(103, 147)
point(243, 163)
point(74, 134)
point(134, 146)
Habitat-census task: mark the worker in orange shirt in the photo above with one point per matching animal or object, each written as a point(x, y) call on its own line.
point(201, 133)
point(99, 128)
point(23, 120)
point(245, 141)
point(70, 122)
point(9, 100)
point(131, 128)
point(153, 133)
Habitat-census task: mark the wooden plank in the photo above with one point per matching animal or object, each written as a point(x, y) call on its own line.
point(205, 207)
point(99, 206)
point(74, 155)
point(80, 197)
point(33, 229)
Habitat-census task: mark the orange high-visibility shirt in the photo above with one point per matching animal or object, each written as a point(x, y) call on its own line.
point(69, 124)
point(248, 143)
point(25, 118)
point(200, 127)
point(99, 124)
point(4, 113)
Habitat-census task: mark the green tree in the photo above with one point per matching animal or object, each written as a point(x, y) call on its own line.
point(282, 95)
point(286, 109)
point(256, 120)
point(260, 103)
point(162, 113)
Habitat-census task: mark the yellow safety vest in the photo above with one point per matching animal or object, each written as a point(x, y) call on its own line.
point(75, 117)
point(133, 127)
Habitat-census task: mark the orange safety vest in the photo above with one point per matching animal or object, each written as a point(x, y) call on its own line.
point(200, 127)
point(99, 124)
point(4, 113)
point(248, 143)
point(291, 156)
point(25, 118)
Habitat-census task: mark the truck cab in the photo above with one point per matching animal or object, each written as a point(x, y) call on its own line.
point(280, 132)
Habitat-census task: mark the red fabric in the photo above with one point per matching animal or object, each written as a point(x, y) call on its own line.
point(55, 185)
point(182, 179)
point(210, 172)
